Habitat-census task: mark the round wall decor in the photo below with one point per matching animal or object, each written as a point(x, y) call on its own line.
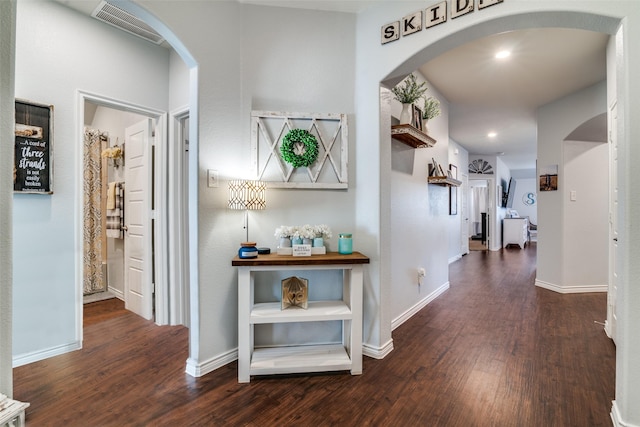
point(529, 199)
point(299, 148)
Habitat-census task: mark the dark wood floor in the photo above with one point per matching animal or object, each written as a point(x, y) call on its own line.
point(494, 350)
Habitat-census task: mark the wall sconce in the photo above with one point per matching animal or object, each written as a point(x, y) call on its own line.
point(247, 195)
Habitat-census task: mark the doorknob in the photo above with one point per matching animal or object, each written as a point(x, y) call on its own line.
point(125, 228)
point(615, 239)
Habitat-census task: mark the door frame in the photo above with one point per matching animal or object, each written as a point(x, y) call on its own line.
point(492, 211)
point(178, 221)
point(160, 184)
point(464, 217)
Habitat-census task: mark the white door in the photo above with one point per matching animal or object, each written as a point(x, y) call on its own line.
point(464, 217)
point(138, 278)
point(612, 317)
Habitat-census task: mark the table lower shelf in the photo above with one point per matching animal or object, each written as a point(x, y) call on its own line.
point(302, 359)
point(317, 311)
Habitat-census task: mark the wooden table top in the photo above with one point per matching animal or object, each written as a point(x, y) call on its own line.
point(330, 258)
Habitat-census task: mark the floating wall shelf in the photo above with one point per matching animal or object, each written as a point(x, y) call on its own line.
point(445, 181)
point(411, 136)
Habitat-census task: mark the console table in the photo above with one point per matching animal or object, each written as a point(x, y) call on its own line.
point(301, 358)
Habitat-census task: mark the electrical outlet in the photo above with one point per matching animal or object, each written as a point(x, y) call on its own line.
point(421, 272)
point(212, 178)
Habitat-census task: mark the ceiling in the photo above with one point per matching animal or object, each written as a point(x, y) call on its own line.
point(486, 94)
point(489, 95)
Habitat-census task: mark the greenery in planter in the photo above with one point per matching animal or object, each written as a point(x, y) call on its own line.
point(299, 148)
point(410, 90)
point(431, 108)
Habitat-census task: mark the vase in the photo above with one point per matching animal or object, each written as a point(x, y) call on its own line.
point(424, 126)
point(296, 240)
point(405, 115)
point(285, 242)
point(307, 241)
point(318, 242)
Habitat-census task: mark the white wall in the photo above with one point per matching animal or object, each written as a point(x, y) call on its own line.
point(104, 61)
point(586, 219)
point(419, 217)
point(278, 59)
point(179, 83)
point(555, 122)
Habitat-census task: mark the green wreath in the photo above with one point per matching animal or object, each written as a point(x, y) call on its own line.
point(299, 148)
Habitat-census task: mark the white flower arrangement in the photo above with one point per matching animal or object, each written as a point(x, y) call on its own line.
point(284, 231)
point(307, 231)
point(323, 231)
point(303, 231)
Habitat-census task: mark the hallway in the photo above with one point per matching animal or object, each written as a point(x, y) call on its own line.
point(494, 350)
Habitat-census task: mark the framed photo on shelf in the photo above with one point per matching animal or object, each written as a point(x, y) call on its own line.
point(453, 191)
point(417, 117)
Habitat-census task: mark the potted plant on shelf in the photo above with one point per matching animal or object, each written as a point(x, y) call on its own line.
point(430, 110)
point(408, 92)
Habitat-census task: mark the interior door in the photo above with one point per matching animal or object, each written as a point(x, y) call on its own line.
point(138, 280)
point(612, 318)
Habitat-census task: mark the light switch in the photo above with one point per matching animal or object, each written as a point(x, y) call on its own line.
point(212, 178)
point(572, 195)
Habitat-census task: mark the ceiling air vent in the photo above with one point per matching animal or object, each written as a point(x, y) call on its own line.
point(113, 15)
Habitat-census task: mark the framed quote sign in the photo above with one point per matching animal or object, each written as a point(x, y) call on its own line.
point(33, 156)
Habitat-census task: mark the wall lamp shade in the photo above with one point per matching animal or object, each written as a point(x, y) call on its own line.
point(247, 195)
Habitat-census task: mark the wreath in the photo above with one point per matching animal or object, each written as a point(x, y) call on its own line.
point(299, 148)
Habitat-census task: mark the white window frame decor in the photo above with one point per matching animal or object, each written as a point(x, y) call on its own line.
point(329, 171)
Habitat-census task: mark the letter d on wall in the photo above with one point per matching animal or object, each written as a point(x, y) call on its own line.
point(461, 7)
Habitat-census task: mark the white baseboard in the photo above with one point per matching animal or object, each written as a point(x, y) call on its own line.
point(571, 289)
point(24, 359)
point(455, 258)
point(419, 306)
point(118, 293)
point(196, 369)
point(617, 419)
point(377, 352)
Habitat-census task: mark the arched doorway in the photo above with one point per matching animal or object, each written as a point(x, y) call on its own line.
point(415, 54)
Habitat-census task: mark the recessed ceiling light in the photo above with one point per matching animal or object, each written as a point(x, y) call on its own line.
point(492, 134)
point(503, 54)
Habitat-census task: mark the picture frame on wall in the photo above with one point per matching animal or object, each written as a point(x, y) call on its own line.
point(33, 152)
point(453, 191)
point(417, 117)
point(549, 178)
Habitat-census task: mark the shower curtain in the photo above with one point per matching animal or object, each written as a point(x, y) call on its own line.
point(478, 204)
point(93, 227)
